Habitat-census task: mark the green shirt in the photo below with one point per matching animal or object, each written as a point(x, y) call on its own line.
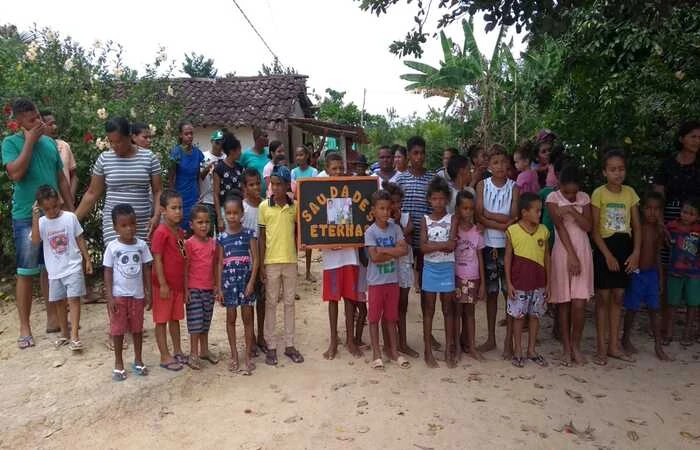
point(43, 169)
point(546, 218)
point(250, 158)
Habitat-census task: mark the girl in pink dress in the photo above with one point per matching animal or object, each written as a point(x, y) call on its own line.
point(572, 260)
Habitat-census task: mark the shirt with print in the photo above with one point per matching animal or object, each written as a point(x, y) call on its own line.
point(171, 246)
point(685, 250)
point(375, 236)
point(615, 209)
point(469, 245)
point(415, 190)
point(206, 186)
point(43, 169)
point(61, 253)
point(201, 256)
point(250, 217)
point(527, 271)
point(126, 262)
point(230, 178)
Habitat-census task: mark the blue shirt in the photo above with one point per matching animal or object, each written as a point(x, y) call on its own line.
point(187, 167)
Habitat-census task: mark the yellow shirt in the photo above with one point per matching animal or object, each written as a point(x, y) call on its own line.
point(278, 223)
point(527, 271)
point(615, 209)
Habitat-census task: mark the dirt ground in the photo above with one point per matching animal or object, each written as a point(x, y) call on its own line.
point(53, 399)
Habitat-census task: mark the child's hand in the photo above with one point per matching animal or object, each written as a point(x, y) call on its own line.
point(187, 296)
point(36, 211)
point(111, 305)
point(149, 301)
point(263, 275)
point(612, 263)
point(511, 291)
point(548, 292)
point(249, 288)
point(88, 267)
point(573, 264)
point(632, 263)
point(164, 292)
point(218, 296)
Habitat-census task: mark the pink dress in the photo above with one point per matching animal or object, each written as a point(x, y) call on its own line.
point(564, 286)
point(527, 182)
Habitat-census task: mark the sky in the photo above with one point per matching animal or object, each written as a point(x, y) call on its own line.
point(335, 43)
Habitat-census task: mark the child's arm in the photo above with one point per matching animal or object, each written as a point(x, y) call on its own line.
point(632, 262)
point(216, 189)
point(508, 262)
point(482, 275)
point(401, 249)
point(483, 216)
point(147, 286)
point(162, 282)
point(218, 269)
point(36, 235)
point(262, 244)
point(408, 231)
point(572, 262)
point(547, 271)
point(108, 276)
point(425, 245)
point(86, 255)
point(377, 256)
point(514, 213)
point(610, 260)
point(187, 275)
point(451, 244)
point(250, 288)
point(582, 219)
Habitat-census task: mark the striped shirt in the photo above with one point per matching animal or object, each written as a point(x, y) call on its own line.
point(127, 180)
point(415, 199)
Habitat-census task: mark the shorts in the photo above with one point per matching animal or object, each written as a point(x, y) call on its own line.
point(406, 278)
point(199, 311)
point(468, 291)
point(383, 303)
point(29, 257)
point(168, 309)
point(527, 303)
point(643, 287)
point(340, 283)
point(438, 277)
point(70, 286)
point(494, 268)
point(128, 318)
point(620, 245)
point(683, 291)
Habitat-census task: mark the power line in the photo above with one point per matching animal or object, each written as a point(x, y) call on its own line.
point(255, 29)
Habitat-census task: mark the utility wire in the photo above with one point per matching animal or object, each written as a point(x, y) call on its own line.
point(255, 29)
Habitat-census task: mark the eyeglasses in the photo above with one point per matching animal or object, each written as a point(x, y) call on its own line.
point(181, 247)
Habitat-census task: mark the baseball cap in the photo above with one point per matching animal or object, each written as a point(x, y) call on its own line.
point(217, 135)
point(283, 173)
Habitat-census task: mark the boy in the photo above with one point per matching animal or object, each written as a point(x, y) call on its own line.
point(127, 277)
point(449, 153)
point(644, 284)
point(385, 244)
point(278, 259)
point(496, 207)
point(527, 275)
point(386, 170)
point(340, 280)
point(206, 185)
point(683, 283)
point(458, 170)
point(64, 252)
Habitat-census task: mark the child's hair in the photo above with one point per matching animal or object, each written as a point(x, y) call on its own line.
point(45, 192)
point(558, 152)
point(438, 184)
point(473, 150)
point(693, 202)
point(684, 129)
point(415, 141)
point(45, 113)
point(197, 209)
point(455, 164)
point(250, 173)
point(526, 200)
point(495, 150)
point(461, 196)
point(122, 209)
point(277, 160)
point(381, 194)
point(569, 174)
point(399, 148)
point(168, 195)
point(393, 189)
point(561, 162)
point(307, 153)
point(613, 153)
point(453, 151)
point(525, 149)
point(22, 105)
point(181, 126)
point(118, 124)
point(234, 196)
point(333, 156)
point(230, 142)
point(138, 128)
point(273, 147)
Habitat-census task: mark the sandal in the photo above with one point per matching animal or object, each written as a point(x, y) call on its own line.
point(173, 366)
point(254, 352)
point(518, 361)
point(118, 375)
point(403, 362)
point(539, 360)
point(686, 342)
point(623, 357)
point(666, 340)
point(75, 346)
point(262, 348)
point(233, 366)
point(377, 364)
point(24, 342)
point(60, 342)
point(179, 357)
point(249, 368)
point(209, 356)
point(140, 370)
point(194, 362)
point(293, 354)
point(600, 360)
point(271, 358)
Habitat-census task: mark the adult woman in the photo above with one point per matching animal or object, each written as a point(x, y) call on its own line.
point(127, 173)
point(400, 161)
point(186, 170)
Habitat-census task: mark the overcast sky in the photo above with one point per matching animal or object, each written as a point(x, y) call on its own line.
point(332, 41)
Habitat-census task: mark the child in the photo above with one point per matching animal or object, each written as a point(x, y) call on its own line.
point(278, 258)
point(615, 225)
point(302, 156)
point(527, 276)
point(438, 232)
point(644, 283)
point(385, 244)
point(127, 278)
point(572, 261)
point(251, 202)
point(237, 268)
point(168, 278)
point(227, 174)
point(458, 169)
point(683, 283)
point(340, 280)
point(527, 177)
point(406, 278)
point(275, 149)
point(496, 208)
point(200, 273)
point(449, 153)
point(470, 277)
point(480, 164)
point(64, 252)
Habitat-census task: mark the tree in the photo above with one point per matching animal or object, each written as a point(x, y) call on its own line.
point(198, 66)
point(332, 108)
point(276, 68)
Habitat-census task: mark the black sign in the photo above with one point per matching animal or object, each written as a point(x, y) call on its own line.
point(334, 211)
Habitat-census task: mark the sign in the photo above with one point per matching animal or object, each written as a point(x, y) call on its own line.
point(334, 211)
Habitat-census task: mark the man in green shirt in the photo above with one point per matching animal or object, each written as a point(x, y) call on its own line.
point(31, 160)
point(256, 156)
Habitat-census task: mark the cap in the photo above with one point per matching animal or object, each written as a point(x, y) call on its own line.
point(282, 172)
point(217, 135)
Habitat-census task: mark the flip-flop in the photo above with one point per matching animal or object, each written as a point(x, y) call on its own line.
point(666, 341)
point(193, 363)
point(118, 375)
point(622, 357)
point(686, 342)
point(600, 360)
point(248, 369)
point(518, 362)
point(377, 364)
point(271, 358)
point(141, 371)
point(24, 342)
point(75, 346)
point(539, 360)
point(60, 342)
point(262, 348)
point(294, 355)
point(233, 367)
point(209, 356)
point(179, 357)
point(403, 362)
point(173, 366)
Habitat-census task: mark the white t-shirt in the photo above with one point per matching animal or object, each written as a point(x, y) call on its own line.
point(250, 217)
point(126, 261)
point(61, 253)
point(206, 186)
point(453, 200)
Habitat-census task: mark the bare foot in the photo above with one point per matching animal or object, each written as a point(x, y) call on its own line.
point(628, 347)
point(486, 346)
point(408, 351)
point(332, 351)
point(430, 360)
point(476, 355)
point(565, 359)
point(661, 354)
point(353, 350)
point(578, 357)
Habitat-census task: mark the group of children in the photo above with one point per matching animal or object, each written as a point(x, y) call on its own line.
point(465, 245)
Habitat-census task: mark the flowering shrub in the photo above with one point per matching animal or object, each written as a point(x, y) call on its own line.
point(82, 87)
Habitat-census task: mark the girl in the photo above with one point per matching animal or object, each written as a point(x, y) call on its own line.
point(276, 148)
point(237, 262)
point(618, 239)
point(544, 142)
point(302, 156)
point(186, 160)
point(469, 270)
point(141, 135)
point(437, 243)
point(227, 175)
point(527, 177)
point(572, 260)
point(400, 161)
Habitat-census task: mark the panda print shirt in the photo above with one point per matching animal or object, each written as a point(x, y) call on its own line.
point(126, 262)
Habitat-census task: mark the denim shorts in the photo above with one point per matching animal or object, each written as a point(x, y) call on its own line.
point(29, 257)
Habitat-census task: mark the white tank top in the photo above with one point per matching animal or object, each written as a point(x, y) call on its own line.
point(439, 231)
point(497, 200)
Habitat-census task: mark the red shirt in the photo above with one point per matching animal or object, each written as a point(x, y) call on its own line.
point(202, 259)
point(165, 243)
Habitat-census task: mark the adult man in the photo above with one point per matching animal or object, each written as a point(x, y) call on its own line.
point(31, 160)
point(385, 171)
point(211, 158)
point(64, 151)
point(256, 156)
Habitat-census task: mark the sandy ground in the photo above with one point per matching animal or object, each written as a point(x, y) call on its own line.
point(53, 399)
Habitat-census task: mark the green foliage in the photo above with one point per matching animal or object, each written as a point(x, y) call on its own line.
point(332, 108)
point(276, 68)
point(199, 66)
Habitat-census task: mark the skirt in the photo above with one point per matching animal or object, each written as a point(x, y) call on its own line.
point(620, 245)
point(438, 277)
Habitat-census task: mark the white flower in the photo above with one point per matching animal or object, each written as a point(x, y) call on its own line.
point(170, 91)
point(68, 65)
point(152, 128)
point(102, 113)
point(97, 44)
point(32, 51)
point(152, 109)
point(132, 111)
point(50, 36)
point(167, 125)
point(118, 72)
point(101, 144)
